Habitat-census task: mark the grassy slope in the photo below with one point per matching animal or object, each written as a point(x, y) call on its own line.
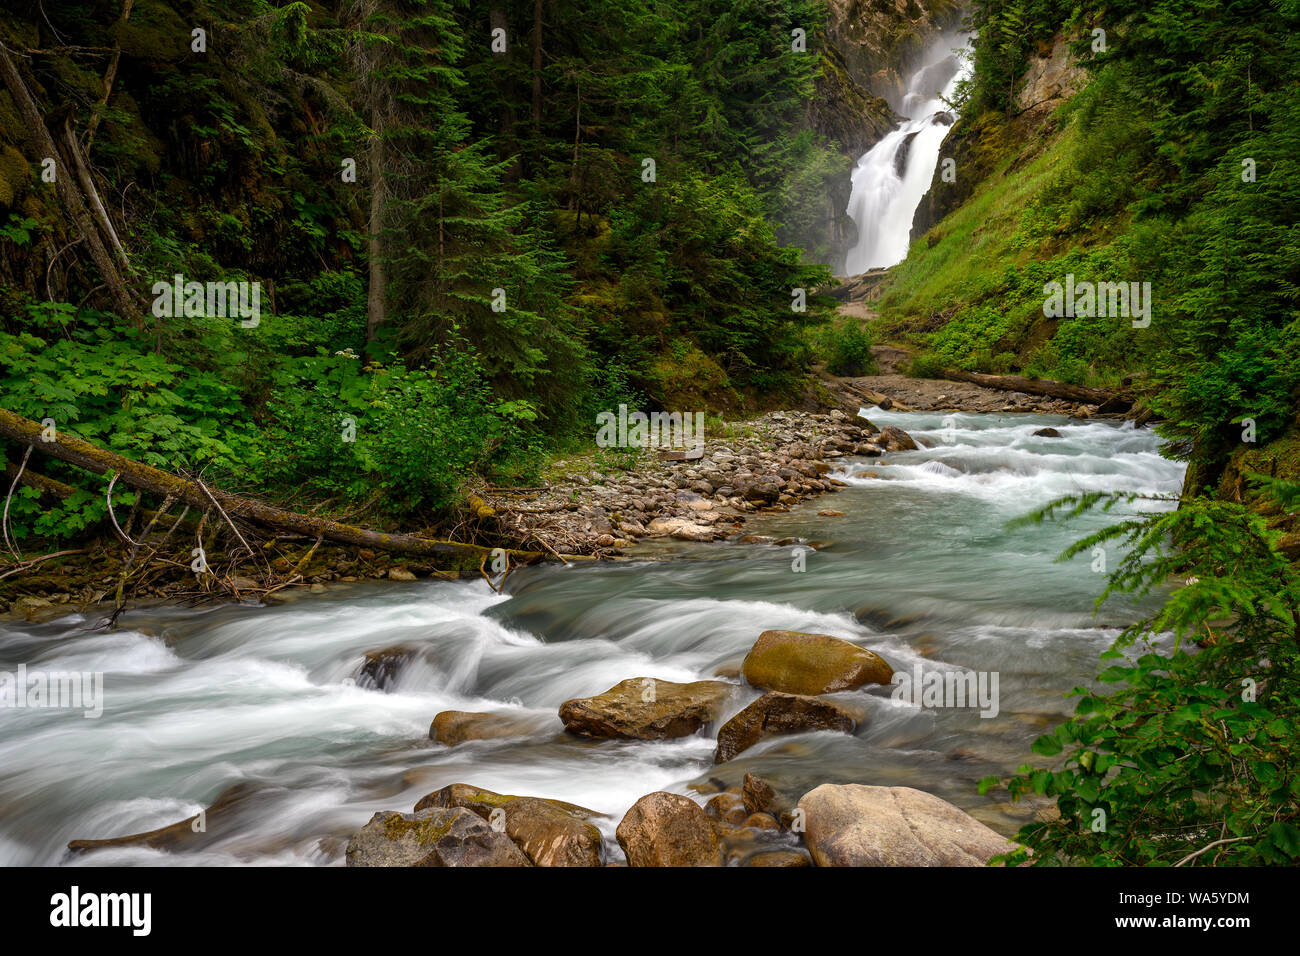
point(969, 293)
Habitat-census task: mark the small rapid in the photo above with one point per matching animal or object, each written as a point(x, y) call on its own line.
point(921, 567)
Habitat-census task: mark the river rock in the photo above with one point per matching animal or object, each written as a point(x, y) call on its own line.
point(796, 663)
point(759, 796)
point(776, 713)
point(452, 727)
point(680, 528)
point(668, 829)
point(380, 668)
point(727, 807)
point(642, 708)
point(549, 832)
point(856, 825)
point(895, 439)
point(1047, 433)
point(779, 858)
point(432, 837)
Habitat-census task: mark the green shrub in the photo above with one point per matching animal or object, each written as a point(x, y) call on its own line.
point(849, 350)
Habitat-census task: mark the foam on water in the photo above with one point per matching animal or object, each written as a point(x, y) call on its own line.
point(921, 569)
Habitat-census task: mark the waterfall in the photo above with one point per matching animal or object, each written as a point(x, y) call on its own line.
point(891, 178)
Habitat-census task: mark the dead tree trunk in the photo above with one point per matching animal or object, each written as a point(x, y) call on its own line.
point(81, 453)
point(1042, 386)
point(109, 77)
point(127, 305)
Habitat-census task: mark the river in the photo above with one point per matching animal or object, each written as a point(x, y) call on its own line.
point(921, 567)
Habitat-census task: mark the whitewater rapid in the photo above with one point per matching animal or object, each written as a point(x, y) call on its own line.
point(921, 567)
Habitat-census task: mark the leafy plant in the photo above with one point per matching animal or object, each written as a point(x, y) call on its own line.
point(1192, 759)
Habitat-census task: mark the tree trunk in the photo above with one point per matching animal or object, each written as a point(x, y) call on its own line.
point(74, 451)
point(376, 295)
point(78, 163)
point(127, 305)
point(1042, 386)
point(537, 67)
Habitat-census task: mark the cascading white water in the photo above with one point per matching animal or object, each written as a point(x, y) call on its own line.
point(922, 567)
point(890, 178)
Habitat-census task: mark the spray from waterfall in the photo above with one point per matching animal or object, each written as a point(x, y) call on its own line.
point(891, 178)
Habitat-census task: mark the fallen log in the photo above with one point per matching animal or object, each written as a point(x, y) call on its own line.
point(860, 392)
point(1042, 386)
point(144, 477)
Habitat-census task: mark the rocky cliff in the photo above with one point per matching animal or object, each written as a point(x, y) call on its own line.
point(976, 144)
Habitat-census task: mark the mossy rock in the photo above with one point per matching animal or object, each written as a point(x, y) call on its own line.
point(796, 663)
point(433, 837)
point(154, 32)
point(1279, 458)
point(549, 832)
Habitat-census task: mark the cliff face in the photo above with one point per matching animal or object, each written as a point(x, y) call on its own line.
point(882, 41)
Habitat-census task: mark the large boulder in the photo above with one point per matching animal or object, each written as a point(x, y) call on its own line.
point(550, 832)
point(856, 825)
point(642, 708)
point(452, 727)
point(432, 837)
point(796, 663)
point(668, 829)
point(777, 713)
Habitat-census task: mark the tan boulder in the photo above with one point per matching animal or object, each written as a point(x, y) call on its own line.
point(856, 825)
point(796, 663)
point(668, 829)
point(779, 858)
point(452, 727)
point(642, 708)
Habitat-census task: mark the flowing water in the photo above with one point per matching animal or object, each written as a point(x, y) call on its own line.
point(890, 179)
point(920, 568)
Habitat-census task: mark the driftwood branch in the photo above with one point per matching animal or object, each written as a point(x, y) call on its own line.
point(4, 523)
